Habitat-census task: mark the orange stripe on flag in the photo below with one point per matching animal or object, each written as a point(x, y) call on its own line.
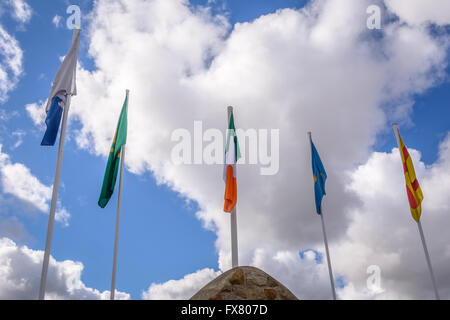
point(230, 191)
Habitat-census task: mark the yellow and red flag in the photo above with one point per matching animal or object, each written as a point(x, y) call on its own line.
point(413, 190)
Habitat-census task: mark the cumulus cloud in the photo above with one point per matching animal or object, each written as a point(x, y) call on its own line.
point(36, 113)
point(421, 11)
point(305, 274)
point(315, 69)
point(20, 271)
point(382, 231)
point(180, 289)
point(11, 57)
point(17, 180)
point(22, 11)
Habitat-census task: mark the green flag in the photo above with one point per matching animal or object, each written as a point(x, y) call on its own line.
point(120, 139)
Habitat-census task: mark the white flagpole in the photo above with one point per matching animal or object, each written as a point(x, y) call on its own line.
point(427, 256)
point(234, 240)
point(233, 222)
point(119, 205)
point(330, 270)
point(419, 225)
point(51, 219)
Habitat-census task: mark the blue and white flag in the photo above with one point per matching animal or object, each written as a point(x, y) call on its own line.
point(64, 85)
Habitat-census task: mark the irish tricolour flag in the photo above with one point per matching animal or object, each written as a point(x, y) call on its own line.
point(232, 155)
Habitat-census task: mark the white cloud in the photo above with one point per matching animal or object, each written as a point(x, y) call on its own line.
point(19, 134)
point(382, 231)
point(36, 113)
point(11, 57)
point(22, 11)
point(57, 21)
point(20, 271)
point(306, 276)
point(317, 69)
point(180, 289)
point(421, 11)
point(17, 180)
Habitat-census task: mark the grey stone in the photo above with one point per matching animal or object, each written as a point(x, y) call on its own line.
point(244, 283)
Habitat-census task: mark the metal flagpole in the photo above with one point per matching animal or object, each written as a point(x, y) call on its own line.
point(427, 256)
point(330, 271)
point(234, 240)
point(119, 205)
point(51, 219)
point(233, 222)
point(419, 225)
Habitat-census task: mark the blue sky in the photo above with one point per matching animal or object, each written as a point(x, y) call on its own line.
point(145, 230)
point(145, 221)
point(160, 237)
point(144, 224)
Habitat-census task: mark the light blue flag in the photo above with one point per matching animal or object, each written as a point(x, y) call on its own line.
point(64, 85)
point(320, 176)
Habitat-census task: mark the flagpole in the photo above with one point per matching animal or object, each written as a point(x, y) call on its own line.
point(51, 219)
point(427, 256)
point(422, 237)
point(119, 206)
point(330, 270)
point(233, 222)
point(234, 240)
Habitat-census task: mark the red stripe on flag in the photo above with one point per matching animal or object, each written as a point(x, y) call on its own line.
point(405, 153)
point(412, 200)
point(405, 157)
point(415, 185)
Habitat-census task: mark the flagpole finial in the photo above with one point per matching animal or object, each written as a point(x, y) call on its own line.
point(396, 131)
point(230, 111)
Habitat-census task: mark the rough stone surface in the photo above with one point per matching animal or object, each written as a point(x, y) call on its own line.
point(244, 283)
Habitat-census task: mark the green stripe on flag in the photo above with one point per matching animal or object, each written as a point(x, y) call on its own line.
point(232, 134)
point(112, 167)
